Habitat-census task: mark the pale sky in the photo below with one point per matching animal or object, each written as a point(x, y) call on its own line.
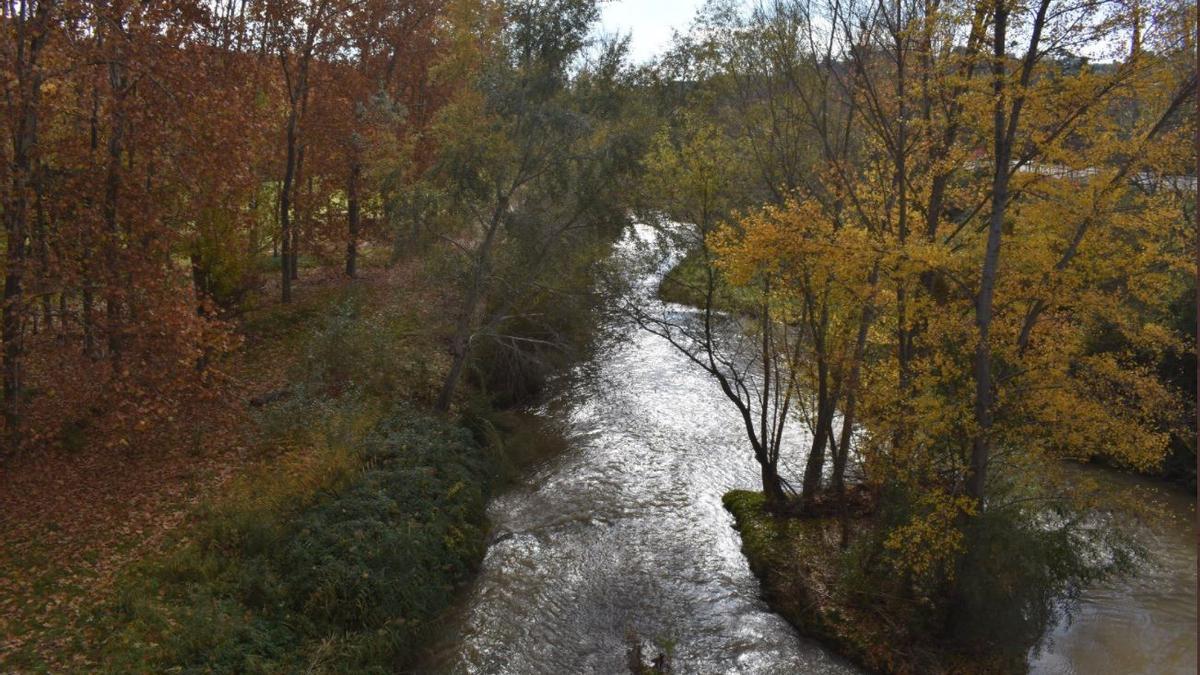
point(648, 21)
point(650, 24)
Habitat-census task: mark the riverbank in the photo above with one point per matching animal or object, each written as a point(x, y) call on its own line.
point(323, 522)
point(798, 561)
point(683, 284)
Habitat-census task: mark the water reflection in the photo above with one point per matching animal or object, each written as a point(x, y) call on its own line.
point(625, 533)
point(1145, 623)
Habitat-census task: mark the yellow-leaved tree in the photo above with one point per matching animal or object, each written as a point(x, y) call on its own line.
point(979, 280)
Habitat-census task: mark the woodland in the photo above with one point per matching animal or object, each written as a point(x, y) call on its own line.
point(286, 280)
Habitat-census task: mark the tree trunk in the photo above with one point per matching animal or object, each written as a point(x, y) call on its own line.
point(15, 214)
point(88, 311)
point(30, 40)
point(461, 345)
point(294, 263)
point(460, 351)
point(815, 466)
point(352, 221)
point(285, 210)
point(42, 244)
point(63, 317)
point(841, 456)
point(298, 206)
point(1002, 146)
point(112, 193)
point(772, 486)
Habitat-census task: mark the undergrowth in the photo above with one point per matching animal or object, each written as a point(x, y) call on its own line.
point(339, 552)
point(339, 564)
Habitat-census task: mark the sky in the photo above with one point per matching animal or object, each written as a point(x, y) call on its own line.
point(650, 23)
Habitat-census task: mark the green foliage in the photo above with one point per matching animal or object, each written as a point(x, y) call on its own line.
point(1019, 573)
point(687, 282)
point(347, 580)
point(367, 351)
point(557, 327)
point(1022, 569)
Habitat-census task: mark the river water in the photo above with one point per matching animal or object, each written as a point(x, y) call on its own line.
point(623, 537)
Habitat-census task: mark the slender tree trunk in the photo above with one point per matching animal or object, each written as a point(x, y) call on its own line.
point(297, 102)
point(815, 467)
point(460, 347)
point(87, 269)
point(459, 350)
point(112, 193)
point(772, 486)
point(41, 237)
point(1002, 146)
point(904, 338)
point(15, 217)
point(63, 317)
point(300, 214)
point(352, 220)
point(88, 310)
point(30, 34)
point(285, 210)
point(850, 412)
point(303, 220)
point(298, 180)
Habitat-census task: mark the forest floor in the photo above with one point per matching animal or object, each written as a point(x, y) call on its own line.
point(73, 521)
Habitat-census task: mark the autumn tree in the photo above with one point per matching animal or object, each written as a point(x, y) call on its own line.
point(28, 26)
point(989, 235)
point(300, 34)
point(526, 165)
point(694, 173)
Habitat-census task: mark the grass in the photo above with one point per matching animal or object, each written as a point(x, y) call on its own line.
point(337, 561)
point(326, 536)
point(338, 552)
point(685, 283)
point(799, 562)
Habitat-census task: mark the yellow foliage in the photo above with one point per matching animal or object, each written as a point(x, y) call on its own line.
point(930, 541)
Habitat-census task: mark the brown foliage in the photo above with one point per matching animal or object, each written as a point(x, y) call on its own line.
point(141, 175)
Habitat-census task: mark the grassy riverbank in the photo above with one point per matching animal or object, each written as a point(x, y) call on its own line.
point(798, 561)
point(684, 283)
point(321, 526)
point(339, 564)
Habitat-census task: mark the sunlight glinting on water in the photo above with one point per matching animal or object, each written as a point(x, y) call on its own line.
point(624, 535)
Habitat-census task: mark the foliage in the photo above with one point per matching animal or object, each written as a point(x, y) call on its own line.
point(338, 566)
point(534, 154)
point(970, 242)
point(143, 182)
point(890, 620)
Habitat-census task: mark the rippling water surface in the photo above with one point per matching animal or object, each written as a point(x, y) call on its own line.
point(1145, 623)
point(624, 534)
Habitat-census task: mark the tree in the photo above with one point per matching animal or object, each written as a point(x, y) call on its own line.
point(301, 32)
point(695, 175)
point(28, 28)
point(526, 166)
point(975, 258)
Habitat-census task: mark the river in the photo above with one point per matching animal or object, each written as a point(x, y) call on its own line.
point(623, 536)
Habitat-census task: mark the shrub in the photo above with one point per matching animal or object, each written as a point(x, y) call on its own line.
point(345, 581)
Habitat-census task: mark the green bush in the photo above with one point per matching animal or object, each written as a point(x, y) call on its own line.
point(368, 352)
point(348, 582)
